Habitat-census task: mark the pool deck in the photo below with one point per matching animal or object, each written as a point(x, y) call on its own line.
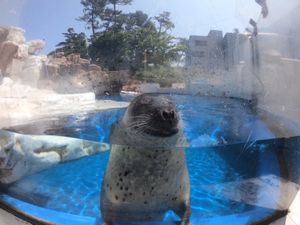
point(17, 111)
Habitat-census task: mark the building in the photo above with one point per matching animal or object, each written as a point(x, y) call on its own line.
point(205, 53)
point(234, 48)
point(212, 53)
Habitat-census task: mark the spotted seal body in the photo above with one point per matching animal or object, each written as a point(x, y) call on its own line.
point(146, 173)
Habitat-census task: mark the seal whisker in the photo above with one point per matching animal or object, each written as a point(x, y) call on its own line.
point(144, 116)
point(137, 125)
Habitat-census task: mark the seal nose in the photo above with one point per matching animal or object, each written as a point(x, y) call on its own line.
point(168, 115)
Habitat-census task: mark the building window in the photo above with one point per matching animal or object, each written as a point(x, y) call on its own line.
point(200, 43)
point(199, 54)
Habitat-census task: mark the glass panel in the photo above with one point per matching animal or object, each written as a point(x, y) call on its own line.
point(147, 112)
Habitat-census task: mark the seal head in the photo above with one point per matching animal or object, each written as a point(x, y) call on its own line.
point(153, 114)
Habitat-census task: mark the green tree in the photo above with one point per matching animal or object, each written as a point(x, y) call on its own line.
point(128, 40)
point(108, 49)
point(164, 22)
point(92, 9)
point(74, 43)
point(136, 41)
point(102, 14)
point(123, 47)
point(115, 12)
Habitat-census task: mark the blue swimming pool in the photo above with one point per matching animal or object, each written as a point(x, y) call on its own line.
point(221, 132)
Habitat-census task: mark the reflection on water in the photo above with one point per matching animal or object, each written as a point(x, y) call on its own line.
point(206, 121)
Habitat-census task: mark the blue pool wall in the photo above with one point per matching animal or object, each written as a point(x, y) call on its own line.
point(255, 214)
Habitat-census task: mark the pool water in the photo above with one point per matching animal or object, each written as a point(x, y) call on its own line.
point(74, 187)
point(206, 121)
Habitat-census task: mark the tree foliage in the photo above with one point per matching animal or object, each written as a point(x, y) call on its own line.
point(121, 40)
point(108, 49)
point(74, 43)
point(134, 41)
point(164, 22)
point(92, 9)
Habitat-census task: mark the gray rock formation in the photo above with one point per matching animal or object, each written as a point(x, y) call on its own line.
point(72, 74)
point(22, 155)
point(20, 60)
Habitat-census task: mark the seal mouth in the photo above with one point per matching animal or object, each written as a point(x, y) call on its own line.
point(162, 132)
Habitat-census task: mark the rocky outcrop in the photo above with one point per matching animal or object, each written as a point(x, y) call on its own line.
point(20, 60)
point(72, 74)
point(132, 86)
point(22, 155)
point(10, 39)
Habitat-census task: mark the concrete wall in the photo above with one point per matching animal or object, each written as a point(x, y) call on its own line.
point(9, 219)
point(205, 52)
point(281, 87)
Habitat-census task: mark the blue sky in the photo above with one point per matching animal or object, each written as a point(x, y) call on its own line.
point(48, 19)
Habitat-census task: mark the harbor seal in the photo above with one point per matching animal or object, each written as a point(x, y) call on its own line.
point(22, 155)
point(146, 175)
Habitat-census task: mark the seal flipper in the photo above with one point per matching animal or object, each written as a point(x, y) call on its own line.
point(184, 212)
